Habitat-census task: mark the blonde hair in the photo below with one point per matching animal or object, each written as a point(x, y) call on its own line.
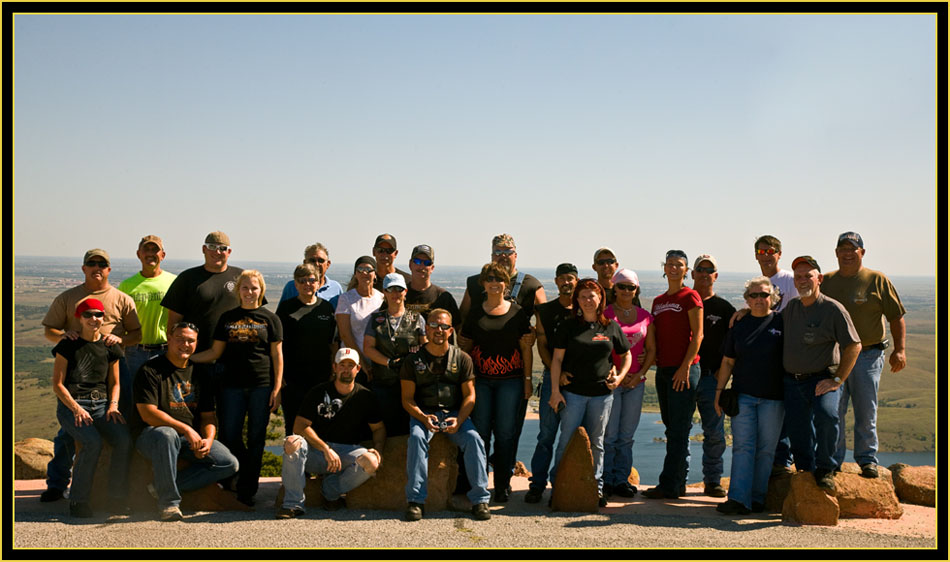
point(252, 274)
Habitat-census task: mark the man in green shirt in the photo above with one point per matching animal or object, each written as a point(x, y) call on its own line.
point(869, 298)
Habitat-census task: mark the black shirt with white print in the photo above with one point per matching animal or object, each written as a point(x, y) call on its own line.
point(337, 418)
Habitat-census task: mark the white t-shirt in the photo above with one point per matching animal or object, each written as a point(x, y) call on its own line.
point(359, 308)
point(785, 281)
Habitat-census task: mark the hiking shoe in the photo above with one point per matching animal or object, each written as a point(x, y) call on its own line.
point(171, 513)
point(414, 512)
point(80, 510)
point(608, 490)
point(533, 496)
point(289, 513)
point(825, 480)
point(334, 505)
point(869, 470)
point(732, 507)
point(778, 470)
point(602, 500)
point(246, 500)
point(714, 491)
point(51, 495)
point(481, 512)
point(501, 496)
point(624, 490)
point(657, 494)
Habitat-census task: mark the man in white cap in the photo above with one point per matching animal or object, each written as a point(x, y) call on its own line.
point(716, 314)
point(330, 423)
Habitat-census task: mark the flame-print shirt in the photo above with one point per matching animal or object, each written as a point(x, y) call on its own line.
point(496, 351)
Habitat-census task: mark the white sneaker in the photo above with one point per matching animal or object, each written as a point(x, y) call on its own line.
point(172, 513)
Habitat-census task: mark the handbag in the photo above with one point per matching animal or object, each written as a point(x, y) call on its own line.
point(729, 401)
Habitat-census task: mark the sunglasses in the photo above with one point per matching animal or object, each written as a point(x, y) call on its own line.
point(389, 251)
point(769, 252)
point(705, 270)
point(365, 270)
point(440, 326)
point(494, 279)
point(606, 261)
point(188, 325)
point(321, 261)
point(759, 295)
point(218, 247)
point(395, 290)
point(306, 280)
point(502, 252)
point(422, 262)
point(97, 263)
point(626, 287)
point(93, 314)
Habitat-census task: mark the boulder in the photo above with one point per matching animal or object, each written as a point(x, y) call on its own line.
point(575, 488)
point(779, 485)
point(31, 457)
point(915, 484)
point(808, 504)
point(634, 478)
point(866, 498)
point(854, 468)
point(521, 470)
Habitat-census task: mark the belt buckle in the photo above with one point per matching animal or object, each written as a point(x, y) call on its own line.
point(96, 395)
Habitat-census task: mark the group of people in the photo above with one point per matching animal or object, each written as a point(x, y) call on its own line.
point(189, 360)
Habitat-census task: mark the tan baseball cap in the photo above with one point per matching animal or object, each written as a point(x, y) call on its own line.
point(153, 239)
point(96, 252)
point(218, 237)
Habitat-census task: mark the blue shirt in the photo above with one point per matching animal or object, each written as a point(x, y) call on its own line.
point(330, 292)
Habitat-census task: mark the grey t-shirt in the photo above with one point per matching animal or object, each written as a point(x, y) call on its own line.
point(814, 334)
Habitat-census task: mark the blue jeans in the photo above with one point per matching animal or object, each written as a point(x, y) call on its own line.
point(234, 404)
point(473, 453)
point(861, 387)
point(496, 413)
point(90, 438)
point(335, 484)
point(618, 440)
point(812, 423)
point(58, 469)
point(163, 446)
point(783, 450)
point(547, 433)
point(714, 435)
point(755, 431)
point(676, 411)
point(592, 412)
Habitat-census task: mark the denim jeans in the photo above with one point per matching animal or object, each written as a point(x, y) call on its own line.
point(163, 446)
point(783, 450)
point(812, 423)
point(714, 435)
point(547, 433)
point(234, 404)
point(473, 454)
point(861, 387)
point(618, 440)
point(676, 411)
point(335, 484)
point(592, 412)
point(496, 413)
point(90, 438)
point(59, 468)
point(755, 431)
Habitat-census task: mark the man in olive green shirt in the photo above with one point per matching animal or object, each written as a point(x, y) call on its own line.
point(869, 297)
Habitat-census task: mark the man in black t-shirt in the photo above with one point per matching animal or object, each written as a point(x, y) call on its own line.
point(421, 295)
point(524, 290)
point(174, 418)
point(330, 423)
point(716, 314)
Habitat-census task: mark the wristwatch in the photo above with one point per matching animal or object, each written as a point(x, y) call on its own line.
point(837, 380)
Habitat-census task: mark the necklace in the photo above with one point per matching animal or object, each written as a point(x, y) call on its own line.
point(626, 311)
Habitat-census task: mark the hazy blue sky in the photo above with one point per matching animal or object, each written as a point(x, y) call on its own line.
point(638, 132)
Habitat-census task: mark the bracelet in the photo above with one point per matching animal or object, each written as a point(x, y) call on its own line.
point(116, 402)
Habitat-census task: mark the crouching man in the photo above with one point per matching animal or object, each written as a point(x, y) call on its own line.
point(330, 422)
point(174, 417)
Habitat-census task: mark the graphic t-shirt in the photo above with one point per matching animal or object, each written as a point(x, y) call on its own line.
point(869, 297)
point(201, 297)
point(249, 335)
point(758, 370)
point(148, 292)
point(430, 298)
point(337, 418)
point(87, 364)
point(496, 351)
point(587, 354)
point(636, 333)
point(182, 393)
point(308, 331)
point(716, 314)
point(671, 319)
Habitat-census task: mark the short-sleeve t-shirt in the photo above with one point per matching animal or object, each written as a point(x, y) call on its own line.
point(636, 333)
point(201, 297)
point(359, 309)
point(496, 350)
point(248, 335)
point(308, 331)
point(87, 364)
point(120, 314)
point(550, 315)
point(180, 392)
point(869, 297)
point(673, 332)
point(524, 298)
point(587, 354)
point(431, 298)
point(338, 418)
point(814, 334)
point(716, 314)
point(785, 281)
point(758, 369)
point(147, 293)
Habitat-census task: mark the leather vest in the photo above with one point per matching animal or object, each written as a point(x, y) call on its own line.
point(393, 343)
point(438, 391)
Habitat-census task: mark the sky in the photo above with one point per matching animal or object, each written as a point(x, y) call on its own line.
point(570, 132)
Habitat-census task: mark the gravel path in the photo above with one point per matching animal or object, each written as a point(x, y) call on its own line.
point(691, 522)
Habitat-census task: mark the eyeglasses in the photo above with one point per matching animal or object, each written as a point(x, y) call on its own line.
point(759, 295)
point(389, 251)
point(769, 251)
point(218, 247)
point(705, 270)
point(321, 261)
point(606, 261)
point(93, 314)
point(422, 262)
point(306, 280)
point(440, 326)
point(625, 287)
point(365, 270)
point(97, 263)
point(503, 252)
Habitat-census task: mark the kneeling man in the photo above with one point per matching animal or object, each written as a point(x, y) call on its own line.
point(331, 420)
point(174, 417)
